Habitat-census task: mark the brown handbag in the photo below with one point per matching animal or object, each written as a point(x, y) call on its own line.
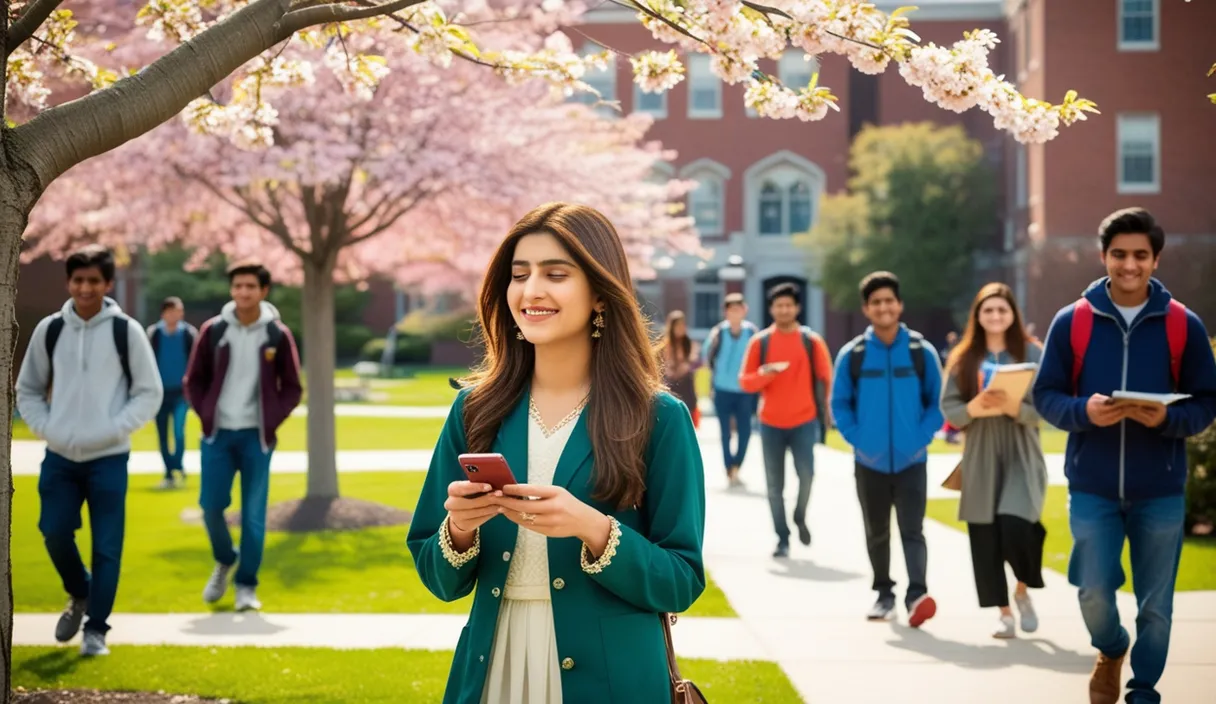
point(682, 691)
point(954, 482)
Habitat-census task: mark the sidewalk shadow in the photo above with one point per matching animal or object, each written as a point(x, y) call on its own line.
point(1039, 653)
point(745, 492)
point(233, 624)
point(808, 570)
point(53, 666)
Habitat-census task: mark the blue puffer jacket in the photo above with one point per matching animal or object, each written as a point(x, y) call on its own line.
point(1126, 460)
point(891, 416)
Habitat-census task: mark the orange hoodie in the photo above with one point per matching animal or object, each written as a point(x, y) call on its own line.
point(786, 398)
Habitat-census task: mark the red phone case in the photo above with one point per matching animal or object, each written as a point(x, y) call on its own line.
point(487, 468)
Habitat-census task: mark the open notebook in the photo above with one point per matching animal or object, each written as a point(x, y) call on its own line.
point(1013, 379)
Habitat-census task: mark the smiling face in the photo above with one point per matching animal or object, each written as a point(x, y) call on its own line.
point(88, 289)
point(995, 315)
point(549, 295)
point(1130, 264)
point(784, 310)
point(883, 309)
point(247, 291)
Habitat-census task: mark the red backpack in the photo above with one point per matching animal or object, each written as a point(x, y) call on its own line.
point(1083, 326)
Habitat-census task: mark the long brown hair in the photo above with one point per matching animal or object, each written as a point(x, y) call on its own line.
point(624, 369)
point(969, 353)
point(681, 347)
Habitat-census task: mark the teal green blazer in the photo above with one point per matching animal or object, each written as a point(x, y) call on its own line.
point(609, 638)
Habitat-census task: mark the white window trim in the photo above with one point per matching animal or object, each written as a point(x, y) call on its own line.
point(1138, 188)
point(700, 113)
point(1153, 45)
point(637, 100)
point(706, 169)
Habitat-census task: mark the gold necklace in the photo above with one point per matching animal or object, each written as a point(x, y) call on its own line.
point(548, 432)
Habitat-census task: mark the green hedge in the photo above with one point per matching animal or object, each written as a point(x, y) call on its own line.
point(1201, 482)
point(410, 350)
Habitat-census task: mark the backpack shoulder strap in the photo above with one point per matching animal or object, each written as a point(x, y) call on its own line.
point(1079, 332)
point(857, 356)
point(53, 329)
point(715, 342)
point(916, 348)
point(119, 324)
point(215, 332)
point(1175, 332)
point(274, 334)
point(763, 337)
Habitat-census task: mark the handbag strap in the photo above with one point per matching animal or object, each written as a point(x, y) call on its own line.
point(673, 668)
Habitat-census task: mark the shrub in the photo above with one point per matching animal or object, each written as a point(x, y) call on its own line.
point(410, 350)
point(1201, 482)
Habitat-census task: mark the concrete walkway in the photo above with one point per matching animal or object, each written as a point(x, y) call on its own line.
point(805, 613)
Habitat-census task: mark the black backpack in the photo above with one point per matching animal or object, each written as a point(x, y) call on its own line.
point(816, 389)
point(857, 355)
point(118, 325)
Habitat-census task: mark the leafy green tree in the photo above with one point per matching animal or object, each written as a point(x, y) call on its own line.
point(920, 201)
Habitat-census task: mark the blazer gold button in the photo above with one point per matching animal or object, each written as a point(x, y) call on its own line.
point(567, 663)
point(496, 591)
point(482, 658)
point(559, 583)
point(506, 557)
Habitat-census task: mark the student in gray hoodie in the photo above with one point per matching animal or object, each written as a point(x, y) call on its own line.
point(243, 380)
point(87, 382)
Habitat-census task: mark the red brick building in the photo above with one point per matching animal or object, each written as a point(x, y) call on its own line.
point(1142, 61)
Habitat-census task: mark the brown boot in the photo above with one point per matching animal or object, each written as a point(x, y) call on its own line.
point(1106, 681)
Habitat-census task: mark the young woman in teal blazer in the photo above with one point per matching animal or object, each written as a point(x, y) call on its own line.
point(568, 585)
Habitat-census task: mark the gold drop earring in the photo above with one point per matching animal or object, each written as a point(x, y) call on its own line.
point(598, 322)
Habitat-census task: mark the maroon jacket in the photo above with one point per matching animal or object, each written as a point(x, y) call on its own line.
point(280, 378)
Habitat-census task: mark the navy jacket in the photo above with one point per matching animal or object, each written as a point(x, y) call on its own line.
point(891, 416)
point(1126, 460)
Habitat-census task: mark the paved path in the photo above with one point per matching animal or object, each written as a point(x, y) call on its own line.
point(805, 613)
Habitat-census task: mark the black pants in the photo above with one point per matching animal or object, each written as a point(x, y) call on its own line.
point(906, 491)
point(1009, 539)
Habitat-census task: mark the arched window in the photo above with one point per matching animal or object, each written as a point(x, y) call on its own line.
point(800, 208)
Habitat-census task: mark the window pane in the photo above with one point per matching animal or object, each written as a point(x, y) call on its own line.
point(800, 207)
point(770, 210)
point(705, 202)
point(1138, 20)
point(705, 98)
point(706, 308)
point(1138, 162)
point(648, 102)
point(704, 88)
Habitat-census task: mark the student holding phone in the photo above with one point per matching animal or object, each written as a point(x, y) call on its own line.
point(1004, 475)
point(569, 582)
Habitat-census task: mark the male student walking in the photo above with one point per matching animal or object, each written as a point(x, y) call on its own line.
point(724, 349)
point(886, 403)
point(791, 369)
point(87, 382)
point(243, 380)
point(1126, 333)
point(172, 340)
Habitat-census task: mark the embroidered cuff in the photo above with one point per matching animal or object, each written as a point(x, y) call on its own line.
point(614, 540)
point(457, 559)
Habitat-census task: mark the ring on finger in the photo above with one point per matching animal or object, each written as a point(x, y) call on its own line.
point(526, 517)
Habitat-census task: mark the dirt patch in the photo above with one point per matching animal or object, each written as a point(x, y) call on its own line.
point(91, 696)
point(310, 515)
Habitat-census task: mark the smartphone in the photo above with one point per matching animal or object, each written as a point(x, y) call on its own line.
point(487, 468)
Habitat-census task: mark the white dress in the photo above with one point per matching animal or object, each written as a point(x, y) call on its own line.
point(524, 665)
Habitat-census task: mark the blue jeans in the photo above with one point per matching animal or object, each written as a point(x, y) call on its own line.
point(230, 452)
point(173, 406)
point(1154, 528)
point(800, 441)
point(738, 406)
point(63, 487)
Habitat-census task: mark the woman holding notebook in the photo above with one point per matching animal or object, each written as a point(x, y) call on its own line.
point(1004, 476)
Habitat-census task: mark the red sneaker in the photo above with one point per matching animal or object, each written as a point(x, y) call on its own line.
point(921, 610)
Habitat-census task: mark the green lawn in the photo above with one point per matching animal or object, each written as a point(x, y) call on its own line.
point(353, 433)
point(1197, 571)
point(415, 386)
point(290, 675)
point(166, 560)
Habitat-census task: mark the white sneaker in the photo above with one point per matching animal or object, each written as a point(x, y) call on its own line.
point(217, 586)
point(1005, 629)
point(94, 643)
point(167, 484)
point(247, 599)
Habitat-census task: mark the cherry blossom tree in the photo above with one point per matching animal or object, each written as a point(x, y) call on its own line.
point(69, 98)
point(417, 179)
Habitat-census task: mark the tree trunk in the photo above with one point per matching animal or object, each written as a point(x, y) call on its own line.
point(319, 361)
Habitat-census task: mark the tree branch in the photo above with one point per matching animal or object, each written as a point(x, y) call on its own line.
point(296, 20)
point(414, 197)
point(28, 22)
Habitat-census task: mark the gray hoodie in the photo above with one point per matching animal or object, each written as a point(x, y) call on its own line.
point(239, 403)
point(90, 413)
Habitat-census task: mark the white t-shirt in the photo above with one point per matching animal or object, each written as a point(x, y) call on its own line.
point(1130, 312)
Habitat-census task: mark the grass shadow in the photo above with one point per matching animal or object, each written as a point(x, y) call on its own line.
point(51, 666)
